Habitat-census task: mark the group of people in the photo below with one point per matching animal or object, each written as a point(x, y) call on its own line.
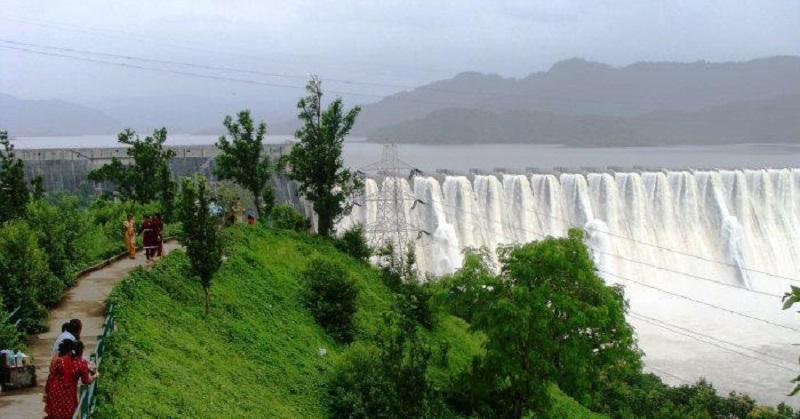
point(67, 368)
point(150, 229)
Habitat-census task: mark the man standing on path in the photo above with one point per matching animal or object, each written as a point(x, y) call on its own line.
point(129, 235)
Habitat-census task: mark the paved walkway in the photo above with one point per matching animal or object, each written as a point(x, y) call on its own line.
point(85, 301)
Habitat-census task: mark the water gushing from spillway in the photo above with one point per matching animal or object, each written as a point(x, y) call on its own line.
point(727, 238)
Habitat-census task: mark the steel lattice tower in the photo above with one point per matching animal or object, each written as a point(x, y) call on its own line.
point(391, 226)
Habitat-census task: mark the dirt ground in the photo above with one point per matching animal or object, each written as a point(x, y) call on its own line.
point(85, 301)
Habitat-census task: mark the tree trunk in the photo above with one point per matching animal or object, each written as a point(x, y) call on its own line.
point(205, 289)
point(517, 412)
point(257, 202)
point(323, 225)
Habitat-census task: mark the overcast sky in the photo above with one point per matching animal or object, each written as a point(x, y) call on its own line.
point(378, 46)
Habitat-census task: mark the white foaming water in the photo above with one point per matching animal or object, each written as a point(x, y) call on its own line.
point(730, 239)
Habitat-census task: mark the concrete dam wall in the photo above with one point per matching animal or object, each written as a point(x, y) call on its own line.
point(67, 169)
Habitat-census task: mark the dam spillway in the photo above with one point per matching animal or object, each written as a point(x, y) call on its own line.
point(702, 255)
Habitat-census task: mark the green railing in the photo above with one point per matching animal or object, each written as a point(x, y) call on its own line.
point(88, 400)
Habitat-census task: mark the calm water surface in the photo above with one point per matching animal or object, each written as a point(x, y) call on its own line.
point(514, 157)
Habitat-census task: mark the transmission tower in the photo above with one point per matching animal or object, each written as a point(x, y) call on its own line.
point(391, 226)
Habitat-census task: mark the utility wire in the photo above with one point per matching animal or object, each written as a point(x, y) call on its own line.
point(713, 344)
point(737, 313)
point(722, 341)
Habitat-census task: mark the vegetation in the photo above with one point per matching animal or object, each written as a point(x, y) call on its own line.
point(316, 161)
point(147, 178)
point(789, 299)
point(331, 297)
point(241, 159)
point(13, 188)
point(259, 351)
point(199, 234)
point(354, 242)
point(285, 217)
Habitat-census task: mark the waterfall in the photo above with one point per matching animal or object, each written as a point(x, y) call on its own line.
point(731, 225)
point(672, 239)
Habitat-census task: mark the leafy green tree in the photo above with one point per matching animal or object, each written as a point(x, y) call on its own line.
point(13, 187)
point(316, 161)
point(199, 234)
point(243, 161)
point(548, 318)
point(25, 278)
point(147, 178)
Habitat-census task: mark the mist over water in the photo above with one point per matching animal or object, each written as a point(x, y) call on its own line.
point(699, 253)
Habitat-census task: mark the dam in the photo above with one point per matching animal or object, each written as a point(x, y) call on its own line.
point(704, 256)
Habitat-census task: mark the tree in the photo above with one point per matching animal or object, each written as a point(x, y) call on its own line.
point(548, 319)
point(242, 160)
point(199, 234)
point(316, 161)
point(147, 178)
point(13, 188)
point(789, 299)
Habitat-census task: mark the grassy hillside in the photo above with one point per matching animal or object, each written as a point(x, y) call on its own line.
point(257, 354)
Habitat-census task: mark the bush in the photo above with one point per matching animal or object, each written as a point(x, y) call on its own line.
point(331, 297)
point(25, 277)
point(354, 243)
point(413, 302)
point(285, 217)
point(388, 379)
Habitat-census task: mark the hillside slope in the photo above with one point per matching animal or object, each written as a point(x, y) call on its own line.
point(764, 121)
point(257, 355)
point(579, 87)
point(52, 117)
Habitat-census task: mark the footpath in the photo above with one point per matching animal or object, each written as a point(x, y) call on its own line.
point(85, 301)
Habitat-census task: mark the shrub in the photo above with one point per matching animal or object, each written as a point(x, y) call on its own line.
point(385, 379)
point(331, 297)
point(25, 277)
point(285, 217)
point(354, 243)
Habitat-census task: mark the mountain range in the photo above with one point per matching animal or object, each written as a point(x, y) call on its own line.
point(575, 102)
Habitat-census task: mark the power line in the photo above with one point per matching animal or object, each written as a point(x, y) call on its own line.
point(701, 302)
point(660, 371)
point(198, 66)
point(713, 343)
point(160, 42)
point(688, 330)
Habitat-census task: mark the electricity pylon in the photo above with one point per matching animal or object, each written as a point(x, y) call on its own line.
point(391, 226)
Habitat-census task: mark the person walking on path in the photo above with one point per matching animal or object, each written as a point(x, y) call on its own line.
point(61, 390)
point(149, 237)
point(159, 226)
point(71, 330)
point(129, 235)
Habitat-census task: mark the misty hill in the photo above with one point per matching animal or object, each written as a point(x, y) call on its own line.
point(580, 87)
point(52, 117)
point(764, 121)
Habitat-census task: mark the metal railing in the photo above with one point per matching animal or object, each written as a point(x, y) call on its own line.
point(87, 401)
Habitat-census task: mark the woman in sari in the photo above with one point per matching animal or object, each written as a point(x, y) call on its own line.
point(129, 235)
point(66, 369)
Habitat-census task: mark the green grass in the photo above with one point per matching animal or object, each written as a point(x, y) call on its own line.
point(257, 354)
